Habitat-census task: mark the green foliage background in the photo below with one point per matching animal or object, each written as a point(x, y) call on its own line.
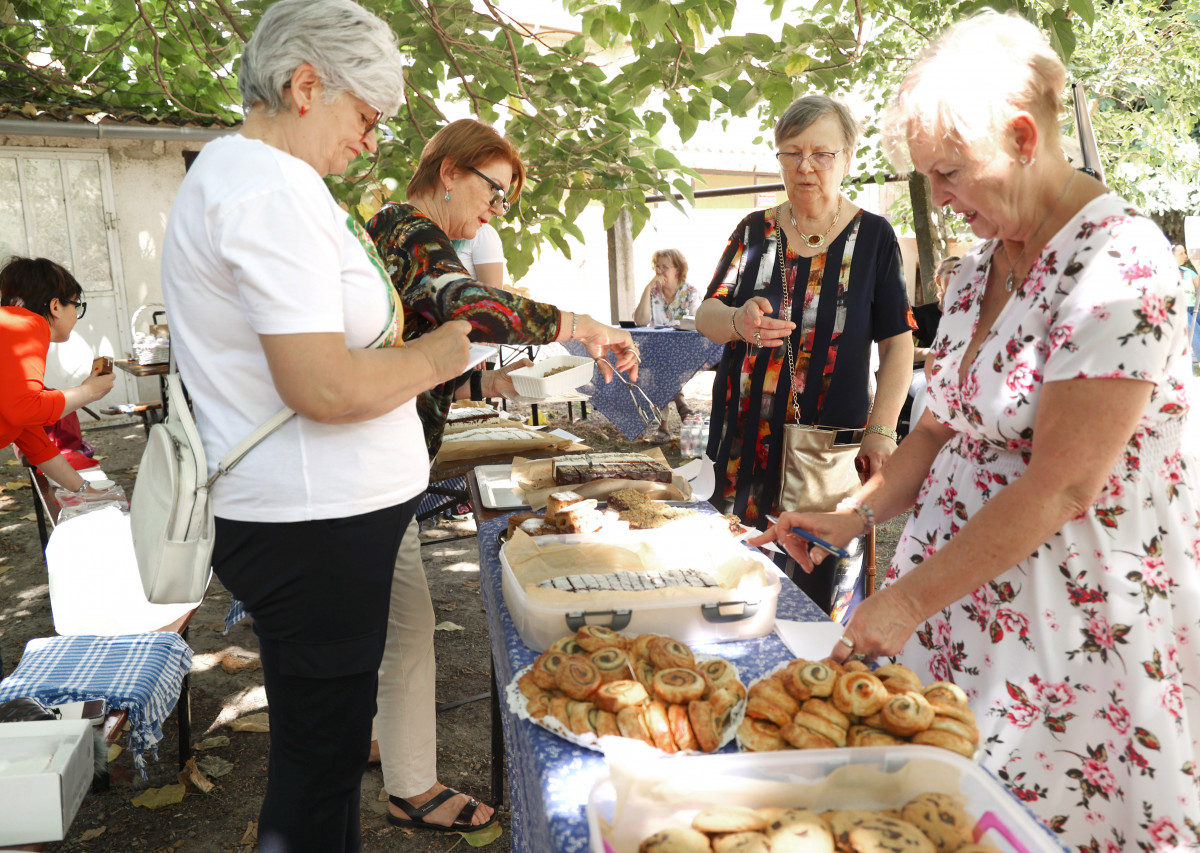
point(587, 110)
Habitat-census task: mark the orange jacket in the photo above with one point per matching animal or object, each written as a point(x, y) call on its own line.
point(25, 404)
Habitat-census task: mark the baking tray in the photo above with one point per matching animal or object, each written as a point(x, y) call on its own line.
point(496, 487)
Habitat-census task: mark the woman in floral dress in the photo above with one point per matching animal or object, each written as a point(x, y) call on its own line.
point(1049, 566)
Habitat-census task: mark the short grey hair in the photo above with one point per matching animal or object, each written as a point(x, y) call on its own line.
point(351, 49)
point(968, 83)
point(803, 112)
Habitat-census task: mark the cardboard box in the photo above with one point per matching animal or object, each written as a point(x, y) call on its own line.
point(45, 772)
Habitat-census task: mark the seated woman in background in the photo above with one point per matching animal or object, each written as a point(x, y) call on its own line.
point(668, 298)
point(467, 174)
point(40, 302)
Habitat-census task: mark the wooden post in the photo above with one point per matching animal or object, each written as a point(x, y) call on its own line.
point(621, 287)
point(918, 193)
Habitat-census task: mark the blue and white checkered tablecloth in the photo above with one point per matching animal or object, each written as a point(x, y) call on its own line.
point(549, 779)
point(138, 673)
point(670, 357)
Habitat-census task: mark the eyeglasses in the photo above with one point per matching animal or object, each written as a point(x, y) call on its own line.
point(498, 194)
point(822, 161)
point(80, 309)
point(373, 123)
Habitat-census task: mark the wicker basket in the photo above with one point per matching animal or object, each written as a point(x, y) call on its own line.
point(152, 346)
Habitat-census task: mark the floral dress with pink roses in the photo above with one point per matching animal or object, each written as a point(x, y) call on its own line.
point(1082, 663)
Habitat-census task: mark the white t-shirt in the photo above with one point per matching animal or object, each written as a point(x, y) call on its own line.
point(484, 248)
point(257, 246)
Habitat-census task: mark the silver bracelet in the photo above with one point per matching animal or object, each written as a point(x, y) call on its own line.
point(733, 325)
point(865, 514)
point(574, 324)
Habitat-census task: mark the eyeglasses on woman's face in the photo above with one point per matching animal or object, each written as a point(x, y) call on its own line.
point(498, 200)
point(822, 161)
point(80, 308)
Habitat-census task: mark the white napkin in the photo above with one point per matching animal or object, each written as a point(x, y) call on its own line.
point(809, 640)
point(701, 476)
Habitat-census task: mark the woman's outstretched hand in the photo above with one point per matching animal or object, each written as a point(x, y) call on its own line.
point(753, 323)
point(599, 340)
point(836, 528)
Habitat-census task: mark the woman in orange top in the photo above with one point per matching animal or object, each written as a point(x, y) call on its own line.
point(40, 302)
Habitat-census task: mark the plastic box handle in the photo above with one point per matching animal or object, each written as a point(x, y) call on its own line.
point(618, 619)
point(713, 612)
point(989, 820)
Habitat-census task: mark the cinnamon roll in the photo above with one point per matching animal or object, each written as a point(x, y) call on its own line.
point(593, 638)
point(859, 693)
point(905, 714)
point(795, 686)
point(612, 664)
point(567, 646)
point(821, 726)
point(678, 686)
point(578, 719)
point(946, 740)
point(545, 669)
point(639, 647)
point(868, 736)
point(946, 692)
point(577, 677)
point(761, 708)
point(771, 690)
point(616, 695)
point(720, 672)
point(759, 735)
point(704, 725)
point(666, 653)
point(801, 738)
point(603, 722)
point(819, 677)
point(681, 728)
point(632, 725)
point(655, 716)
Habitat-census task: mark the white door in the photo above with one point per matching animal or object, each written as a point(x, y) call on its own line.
point(58, 204)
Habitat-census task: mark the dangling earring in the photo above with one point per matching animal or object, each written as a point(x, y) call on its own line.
point(303, 110)
point(1024, 161)
point(447, 196)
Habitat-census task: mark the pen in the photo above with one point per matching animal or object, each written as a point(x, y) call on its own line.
point(816, 540)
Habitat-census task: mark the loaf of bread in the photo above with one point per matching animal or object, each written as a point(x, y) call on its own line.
point(577, 469)
point(471, 415)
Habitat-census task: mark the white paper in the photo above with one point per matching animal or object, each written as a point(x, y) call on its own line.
point(95, 586)
point(701, 476)
point(809, 640)
point(482, 352)
point(562, 433)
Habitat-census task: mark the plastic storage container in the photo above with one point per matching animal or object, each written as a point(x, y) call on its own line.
point(819, 779)
point(533, 381)
point(746, 615)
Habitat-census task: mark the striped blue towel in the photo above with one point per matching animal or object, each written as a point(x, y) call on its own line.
point(139, 673)
point(237, 612)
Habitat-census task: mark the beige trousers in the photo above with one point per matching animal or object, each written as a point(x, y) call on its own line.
point(406, 717)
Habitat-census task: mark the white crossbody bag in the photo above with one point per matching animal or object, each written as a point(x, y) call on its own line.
point(170, 513)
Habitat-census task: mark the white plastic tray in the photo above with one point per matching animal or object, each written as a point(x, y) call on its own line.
point(496, 487)
point(874, 778)
point(749, 615)
point(533, 381)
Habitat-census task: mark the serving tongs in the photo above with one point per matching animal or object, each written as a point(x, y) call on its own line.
point(647, 411)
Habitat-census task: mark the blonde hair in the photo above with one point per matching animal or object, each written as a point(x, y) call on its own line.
point(675, 258)
point(968, 83)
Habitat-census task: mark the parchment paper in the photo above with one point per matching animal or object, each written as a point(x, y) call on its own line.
point(533, 480)
point(529, 440)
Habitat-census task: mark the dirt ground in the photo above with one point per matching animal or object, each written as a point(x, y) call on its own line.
point(223, 820)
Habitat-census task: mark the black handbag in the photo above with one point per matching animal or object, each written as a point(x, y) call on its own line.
point(26, 709)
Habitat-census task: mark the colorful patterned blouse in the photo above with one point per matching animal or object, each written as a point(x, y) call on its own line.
point(862, 273)
point(435, 289)
point(685, 303)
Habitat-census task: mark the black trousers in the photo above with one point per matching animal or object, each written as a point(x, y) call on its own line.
point(319, 594)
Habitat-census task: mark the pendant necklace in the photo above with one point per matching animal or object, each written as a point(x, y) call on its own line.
point(1008, 282)
point(815, 241)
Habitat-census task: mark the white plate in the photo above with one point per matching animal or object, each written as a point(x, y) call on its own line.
point(496, 488)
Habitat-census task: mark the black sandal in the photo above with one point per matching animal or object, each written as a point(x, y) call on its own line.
point(462, 823)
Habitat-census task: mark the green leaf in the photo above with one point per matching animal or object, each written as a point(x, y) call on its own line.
point(1084, 9)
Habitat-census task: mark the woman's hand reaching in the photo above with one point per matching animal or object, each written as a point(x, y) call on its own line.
point(879, 627)
point(836, 528)
point(600, 340)
point(97, 384)
point(447, 349)
point(497, 383)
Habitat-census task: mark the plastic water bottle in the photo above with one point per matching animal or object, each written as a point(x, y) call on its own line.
point(702, 440)
point(690, 437)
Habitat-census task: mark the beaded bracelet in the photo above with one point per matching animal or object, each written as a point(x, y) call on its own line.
point(574, 324)
point(865, 514)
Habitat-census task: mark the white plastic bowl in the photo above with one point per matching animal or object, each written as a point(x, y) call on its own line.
point(533, 381)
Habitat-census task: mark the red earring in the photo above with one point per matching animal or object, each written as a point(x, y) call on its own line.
point(303, 110)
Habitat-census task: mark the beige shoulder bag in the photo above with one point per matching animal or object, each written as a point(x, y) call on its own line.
point(818, 461)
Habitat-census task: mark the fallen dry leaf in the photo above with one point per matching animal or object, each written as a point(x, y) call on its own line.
point(252, 723)
point(251, 835)
point(211, 743)
point(448, 626)
point(30, 517)
point(4, 569)
point(89, 834)
point(235, 663)
point(214, 765)
point(191, 776)
point(12, 462)
point(471, 584)
point(14, 485)
point(483, 837)
point(114, 750)
point(157, 798)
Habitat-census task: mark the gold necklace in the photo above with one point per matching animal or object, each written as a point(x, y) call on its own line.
point(1008, 282)
point(815, 241)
